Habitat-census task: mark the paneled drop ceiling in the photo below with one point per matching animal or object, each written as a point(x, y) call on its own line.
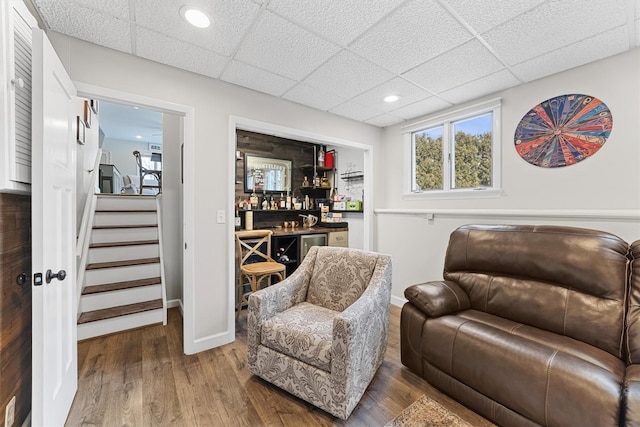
point(345, 56)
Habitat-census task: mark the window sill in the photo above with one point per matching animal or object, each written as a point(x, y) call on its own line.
point(489, 193)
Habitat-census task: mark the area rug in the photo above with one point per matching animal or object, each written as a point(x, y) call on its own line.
point(426, 412)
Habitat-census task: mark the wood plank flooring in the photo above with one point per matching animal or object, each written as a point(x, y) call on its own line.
point(142, 378)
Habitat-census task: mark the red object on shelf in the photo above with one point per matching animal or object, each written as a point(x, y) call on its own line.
point(328, 159)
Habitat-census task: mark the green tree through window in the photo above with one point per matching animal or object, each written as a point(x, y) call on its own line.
point(428, 162)
point(473, 160)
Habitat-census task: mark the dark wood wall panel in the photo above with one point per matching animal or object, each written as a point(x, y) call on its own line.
point(15, 305)
point(300, 153)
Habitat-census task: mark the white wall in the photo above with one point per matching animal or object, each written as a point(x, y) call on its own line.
point(608, 181)
point(214, 102)
point(171, 204)
point(86, 155)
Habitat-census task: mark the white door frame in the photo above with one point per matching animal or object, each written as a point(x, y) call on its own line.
point(188, 173)
point(235, 123)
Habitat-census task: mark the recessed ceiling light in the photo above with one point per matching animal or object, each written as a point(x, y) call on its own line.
point(195, 17)
point(138, 136)
point(391, 98)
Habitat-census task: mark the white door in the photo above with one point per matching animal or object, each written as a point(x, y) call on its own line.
point(53, 227)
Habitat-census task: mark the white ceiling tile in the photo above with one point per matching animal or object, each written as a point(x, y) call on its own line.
point(169, 51)
point(483, 15)
point(554, 25)
point(230, 22)
point(283, 48)
point(481, 87)
point(313, 97)
point(453, 68)
point(421, 108)
point(86, 24)
point(384, 120)
point(256, 79)
point(356, 111)
point(347, 75)
point(408, 93)
point(340, 21)
point(115, 8)
point(414, 33)
point(583, 52)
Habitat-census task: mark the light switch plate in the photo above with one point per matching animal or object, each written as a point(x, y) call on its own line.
point(220, 217)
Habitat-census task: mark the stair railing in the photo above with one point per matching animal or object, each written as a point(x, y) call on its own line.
point(82, 243)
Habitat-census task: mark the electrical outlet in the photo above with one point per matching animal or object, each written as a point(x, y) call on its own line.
point(10, 413)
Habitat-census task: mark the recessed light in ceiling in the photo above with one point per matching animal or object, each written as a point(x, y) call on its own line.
point(138, 136)
point(391, 98)
point(195, 17)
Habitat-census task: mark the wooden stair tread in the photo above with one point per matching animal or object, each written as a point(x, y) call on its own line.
point(116, 244)
point(125, 263)
point(123, 310)
point(109, 227)
point(117, 286)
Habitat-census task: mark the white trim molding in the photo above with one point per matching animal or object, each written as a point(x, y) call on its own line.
point(584, 214)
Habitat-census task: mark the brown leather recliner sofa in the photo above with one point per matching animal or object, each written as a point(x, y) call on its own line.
point(532, 325)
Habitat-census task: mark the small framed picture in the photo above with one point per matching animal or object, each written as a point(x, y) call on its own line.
point(81, 131)
point(94, 106)
point(87, 114)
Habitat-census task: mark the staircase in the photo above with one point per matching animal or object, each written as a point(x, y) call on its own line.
point(123, 278)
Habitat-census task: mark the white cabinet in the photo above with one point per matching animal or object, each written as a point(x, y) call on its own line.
point(15, 96)
point(339, 238)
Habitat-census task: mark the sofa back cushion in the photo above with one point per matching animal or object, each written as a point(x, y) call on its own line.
point(566, 280)
point(633, 315)
point(340, 276)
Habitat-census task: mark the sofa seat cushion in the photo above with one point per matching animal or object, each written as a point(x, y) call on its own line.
point(304, 332)
point(530, 371)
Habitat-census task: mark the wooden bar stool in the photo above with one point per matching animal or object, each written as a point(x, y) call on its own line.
point(255, 263)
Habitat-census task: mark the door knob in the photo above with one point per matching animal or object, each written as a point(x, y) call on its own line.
point(21, 279)
point(60, 275)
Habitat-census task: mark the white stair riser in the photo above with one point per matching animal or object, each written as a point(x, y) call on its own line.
point(116, 324)
point(123, 234)
point(125, 218)
point(122, 253)
point(102, 276)
point(102, 300)
point(125, 203)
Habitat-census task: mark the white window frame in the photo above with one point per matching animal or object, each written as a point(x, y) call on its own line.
point(492, 106)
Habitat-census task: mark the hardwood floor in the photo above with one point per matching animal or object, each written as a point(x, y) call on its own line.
point(142, 378)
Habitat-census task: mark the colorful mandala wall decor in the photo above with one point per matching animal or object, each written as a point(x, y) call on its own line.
point(564, 130)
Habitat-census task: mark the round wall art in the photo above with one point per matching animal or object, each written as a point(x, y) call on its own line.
point(564, 130)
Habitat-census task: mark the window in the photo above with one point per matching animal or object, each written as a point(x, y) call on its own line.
point(456, 155)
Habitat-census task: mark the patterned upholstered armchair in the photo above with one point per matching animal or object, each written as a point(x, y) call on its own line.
point(321, 333)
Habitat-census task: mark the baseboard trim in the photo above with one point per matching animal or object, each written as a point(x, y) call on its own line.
point(172, 303)
point(397, 301)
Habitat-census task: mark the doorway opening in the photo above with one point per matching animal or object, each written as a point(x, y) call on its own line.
point(178, 197)
point(359, 150)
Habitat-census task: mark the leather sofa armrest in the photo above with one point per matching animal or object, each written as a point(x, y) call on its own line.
point(632, 395)
point(439, 298)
